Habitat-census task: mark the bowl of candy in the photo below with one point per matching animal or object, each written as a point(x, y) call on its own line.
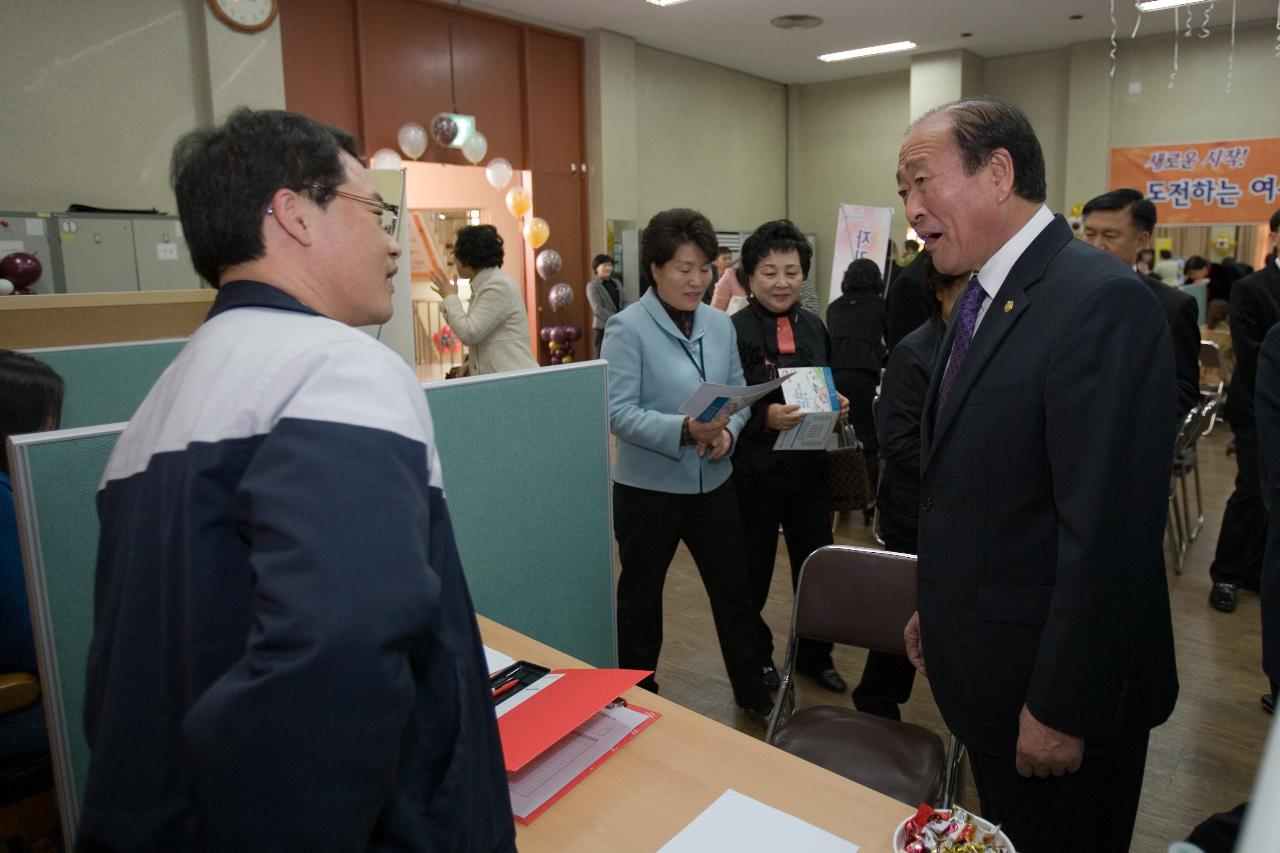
point(932, 830)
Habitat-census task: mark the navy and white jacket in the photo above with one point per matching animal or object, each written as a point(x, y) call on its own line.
point(285, 654)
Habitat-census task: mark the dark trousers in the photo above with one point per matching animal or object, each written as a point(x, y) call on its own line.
point(1048, 815)
point(887, 679)
point(599, 339)
point(806, 528)
point(649, 526)
point(1243, 538)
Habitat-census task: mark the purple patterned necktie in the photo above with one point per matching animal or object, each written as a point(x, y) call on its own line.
point(966, 317)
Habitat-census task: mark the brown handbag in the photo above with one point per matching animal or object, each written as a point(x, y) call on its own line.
point(848, 489)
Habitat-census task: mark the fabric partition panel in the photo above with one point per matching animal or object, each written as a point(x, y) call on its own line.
point(105, 383)
point(526, 466)
point(1201, 293)
point(527, 479)
point(55, 485)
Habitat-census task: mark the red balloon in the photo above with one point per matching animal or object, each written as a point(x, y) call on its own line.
point(21, 268)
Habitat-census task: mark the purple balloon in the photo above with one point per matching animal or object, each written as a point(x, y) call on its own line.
point(574, 332)
point(557, 334)
point(555, 358)
point(545, 333)
point(548, 263)
point(21, 268)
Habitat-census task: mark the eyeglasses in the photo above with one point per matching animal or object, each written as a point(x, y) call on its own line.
point(390, 212)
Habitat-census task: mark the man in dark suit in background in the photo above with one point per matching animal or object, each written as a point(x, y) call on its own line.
point(1255, 308)
point(1267, 407)
point(907, 302)
point(1120, 223)
point(1045, 448)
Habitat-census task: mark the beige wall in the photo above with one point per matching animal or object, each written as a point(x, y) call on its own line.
point(1039, 83)
point(848, 134)
point(707, 138)
point(96, 94)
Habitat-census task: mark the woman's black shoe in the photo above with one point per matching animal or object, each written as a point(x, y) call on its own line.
point(828, 679)
point(758, 709)
point(769, 678)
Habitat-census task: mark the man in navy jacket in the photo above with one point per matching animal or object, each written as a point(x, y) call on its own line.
point(285, 654)
point(1046, 439)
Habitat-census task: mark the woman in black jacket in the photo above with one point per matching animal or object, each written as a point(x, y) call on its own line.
point(857, 324)
point(780, 487)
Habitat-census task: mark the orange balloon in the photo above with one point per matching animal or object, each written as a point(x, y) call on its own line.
point(518, 201)
point(537, 232)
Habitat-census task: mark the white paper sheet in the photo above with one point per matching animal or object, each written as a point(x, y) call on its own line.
point(527, 693)
point(545, 776)
point(738, 823)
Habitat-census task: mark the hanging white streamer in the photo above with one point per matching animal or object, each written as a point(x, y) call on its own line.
point(1137, 23)
point(1113, 38)
point(1231, 57)
point(1173, 75)
point(1187, 34)
point(1204, 25)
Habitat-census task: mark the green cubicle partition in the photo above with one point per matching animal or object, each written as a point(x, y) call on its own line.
point(106, 383)
point(526, 469)
point(526, 474)
point(55, 482)
point(1201, 293)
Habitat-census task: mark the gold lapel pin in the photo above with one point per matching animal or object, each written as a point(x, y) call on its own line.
point(1008, 306)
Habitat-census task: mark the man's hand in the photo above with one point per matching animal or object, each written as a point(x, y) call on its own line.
point(780, 418)
point(844, 409)
point(911, 635)
point(1045, 752)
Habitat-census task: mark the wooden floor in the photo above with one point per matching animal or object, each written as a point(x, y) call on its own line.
point(1201, 761)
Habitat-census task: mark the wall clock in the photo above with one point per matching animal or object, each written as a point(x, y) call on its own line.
point(247, 16)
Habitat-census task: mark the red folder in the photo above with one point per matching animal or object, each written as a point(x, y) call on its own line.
point(528, 729)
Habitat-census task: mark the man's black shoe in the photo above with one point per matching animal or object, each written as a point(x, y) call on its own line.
point(769, 677)
point(828, 679)
point(1223, 597)
point(1268, 703)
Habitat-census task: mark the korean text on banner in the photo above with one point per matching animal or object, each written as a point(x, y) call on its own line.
point(861, 232)
point(1207, 183)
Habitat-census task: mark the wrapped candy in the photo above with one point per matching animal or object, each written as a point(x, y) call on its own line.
point(932, 830)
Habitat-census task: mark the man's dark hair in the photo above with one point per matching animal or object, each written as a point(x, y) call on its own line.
point(600, 259)
point(724, 250)
point(1275, 222)
point(1165, 254)
point(935, 282)
point(669, 230)
point(981, 125)
point(862, 276)
point(224, 178)
point(1195, 262)
point(478, 246)
point(31, 392)
point(780, 235)
point(911, 246)
point(1142, 211)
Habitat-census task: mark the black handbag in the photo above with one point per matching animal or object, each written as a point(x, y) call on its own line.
point(848, 489)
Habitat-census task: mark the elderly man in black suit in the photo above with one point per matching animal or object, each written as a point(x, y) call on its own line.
point(1120, 223)
point(1045, 445)
point(1237, 562)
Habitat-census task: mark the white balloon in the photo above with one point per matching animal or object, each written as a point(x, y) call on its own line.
point(475, 147)
point(413, 139)
point(385, 158)
point(6, 287)
point(498, 172)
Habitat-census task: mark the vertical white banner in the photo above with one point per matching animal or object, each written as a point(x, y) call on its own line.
point(861, 232)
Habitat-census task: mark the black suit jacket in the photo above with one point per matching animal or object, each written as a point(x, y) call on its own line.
point(1043, 501)
point(1183, 313)
point(907, 305)
point(1267, 407)
point(856, 322)
point(1255, 308)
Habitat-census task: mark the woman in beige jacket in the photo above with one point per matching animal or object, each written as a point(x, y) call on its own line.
point(495, 327)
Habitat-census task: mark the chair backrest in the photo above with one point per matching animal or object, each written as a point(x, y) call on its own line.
point(1210, 355)
point(857, 597)
point(1188, 430)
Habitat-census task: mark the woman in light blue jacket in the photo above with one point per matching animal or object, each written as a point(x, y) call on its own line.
point(673, 478)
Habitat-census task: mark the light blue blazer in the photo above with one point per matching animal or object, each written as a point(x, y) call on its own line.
point(653, 370)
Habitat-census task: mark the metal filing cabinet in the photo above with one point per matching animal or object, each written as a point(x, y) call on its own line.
point(97, 252)
point(31, 232)
point(120, 252)
point(164, 262)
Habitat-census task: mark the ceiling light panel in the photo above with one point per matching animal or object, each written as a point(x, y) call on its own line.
point(876, 50)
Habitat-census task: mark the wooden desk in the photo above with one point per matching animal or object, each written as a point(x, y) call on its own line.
point(643, 796)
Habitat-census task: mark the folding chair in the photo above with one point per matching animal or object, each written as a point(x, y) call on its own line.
point(1211, 360)
point(1177, 529)
point(861, 597)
